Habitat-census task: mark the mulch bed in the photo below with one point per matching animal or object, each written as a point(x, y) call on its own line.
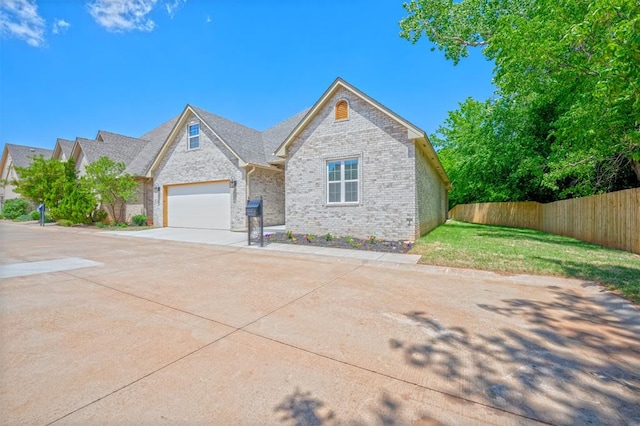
point(372, 244)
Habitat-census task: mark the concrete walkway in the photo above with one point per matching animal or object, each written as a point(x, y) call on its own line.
point(239, 239)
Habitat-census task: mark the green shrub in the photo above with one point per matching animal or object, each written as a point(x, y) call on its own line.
point(139, 220)
point(14, 208)
point(77, 204)
point(48, 218)
point(65, 222)
point(122, 225)
point(328, 237)
point(101, 224)
point(22, 218)
point(99, 215)
point(35, 215)
point(1, 216)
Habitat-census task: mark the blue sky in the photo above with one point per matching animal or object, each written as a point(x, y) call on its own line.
point(71, 68)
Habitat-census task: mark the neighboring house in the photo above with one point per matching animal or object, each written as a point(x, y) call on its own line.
point(136, 153)
point(62, 149)
point(16, 156)
point(347, 166)
point(354, 167)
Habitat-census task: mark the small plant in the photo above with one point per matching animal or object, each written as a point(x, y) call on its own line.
point(310, 238)
point(139, 220)
point(294, 239)
point(289, 235)
point(22, 218)
point(100, 224)
point(356, 245)
point(372, 239)
point(348, 240)
point(65, 222)
point(14, 208)
point(328, 237)
point(35, 215)
point(1, 216)
point(122, 225)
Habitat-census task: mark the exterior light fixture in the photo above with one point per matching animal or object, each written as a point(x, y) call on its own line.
point(156, 188)
point(232, 183)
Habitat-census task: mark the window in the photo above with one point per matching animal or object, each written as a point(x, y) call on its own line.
point(342, 181)
point(342, 110)
point(194, 136)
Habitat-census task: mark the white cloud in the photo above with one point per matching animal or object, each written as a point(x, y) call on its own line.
point(123, 15)
point(20, 19)
point(172, 7)
point(60, 26)
point(208, 20)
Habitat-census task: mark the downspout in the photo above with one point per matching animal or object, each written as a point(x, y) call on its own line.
point(248, 189)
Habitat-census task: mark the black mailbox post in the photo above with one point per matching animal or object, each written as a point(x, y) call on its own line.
point(255, 215)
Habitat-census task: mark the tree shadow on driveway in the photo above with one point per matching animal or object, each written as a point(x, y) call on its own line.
point(573, 362)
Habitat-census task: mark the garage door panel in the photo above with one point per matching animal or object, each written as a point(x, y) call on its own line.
point(206, 205)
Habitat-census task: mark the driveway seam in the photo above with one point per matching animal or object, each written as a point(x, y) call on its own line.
point(461, 398)
point(235, 329)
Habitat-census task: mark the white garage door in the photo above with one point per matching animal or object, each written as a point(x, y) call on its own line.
point(202, 205)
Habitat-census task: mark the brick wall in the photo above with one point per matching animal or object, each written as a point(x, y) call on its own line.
point(430, 195)
point(387, 205)
point(270, 185)
point(211, 162)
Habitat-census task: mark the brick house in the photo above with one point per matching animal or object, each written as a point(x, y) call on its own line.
point(348, 166)
point(15, 156)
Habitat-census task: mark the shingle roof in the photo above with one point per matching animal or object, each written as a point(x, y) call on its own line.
point(119, 148)
point(66, 146)
point(21, 155)
point(244, 141)
point(249, 144)
point(274, 136)
point(155, 139)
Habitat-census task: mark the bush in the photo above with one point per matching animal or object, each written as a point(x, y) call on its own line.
point(122, 225)
point(139, 220)
point(14, 208)
point(77, 204)
point(48, 218)
point(101, 224)
point(22, 218)
point(34, 215)
point(65, 222)
point(99, 215)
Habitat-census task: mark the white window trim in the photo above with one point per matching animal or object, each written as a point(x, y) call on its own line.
point(343, 181)
point(189, 136)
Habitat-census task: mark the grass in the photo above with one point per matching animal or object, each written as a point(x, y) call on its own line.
point(516, 250)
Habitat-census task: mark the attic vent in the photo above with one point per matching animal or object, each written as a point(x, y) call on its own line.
point(342, 110)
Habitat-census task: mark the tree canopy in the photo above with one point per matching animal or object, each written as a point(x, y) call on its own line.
point(566, 118)
point(112, 185)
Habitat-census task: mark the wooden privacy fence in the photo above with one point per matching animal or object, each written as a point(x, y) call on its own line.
point(611, 220)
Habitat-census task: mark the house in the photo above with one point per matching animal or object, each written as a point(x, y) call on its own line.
point(16, 156)
point(346, 166)
point(136, 153)
point(354, 167)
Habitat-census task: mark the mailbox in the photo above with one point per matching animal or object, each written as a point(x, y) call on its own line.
point(254, 208)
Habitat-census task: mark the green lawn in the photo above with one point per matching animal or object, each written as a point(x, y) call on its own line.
point(516, 250)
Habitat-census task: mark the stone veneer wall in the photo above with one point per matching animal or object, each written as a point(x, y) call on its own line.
point(431, 195)
point(211, 162)
point(270, 185)
point(387, 205)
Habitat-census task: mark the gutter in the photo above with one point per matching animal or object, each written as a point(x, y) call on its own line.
point(253, 169)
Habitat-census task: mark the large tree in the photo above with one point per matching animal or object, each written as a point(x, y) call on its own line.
point(111, 184)
point(572, 66)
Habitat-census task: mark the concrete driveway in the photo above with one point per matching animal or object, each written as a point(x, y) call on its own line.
point(152, 331)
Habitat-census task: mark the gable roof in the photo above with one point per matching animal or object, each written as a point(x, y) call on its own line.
point(414, 133)
point(21, 155)
point(274, 136)
point(63, 147)
point(248, 145)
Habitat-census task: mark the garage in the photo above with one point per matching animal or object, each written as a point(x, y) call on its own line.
point(200, 205)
